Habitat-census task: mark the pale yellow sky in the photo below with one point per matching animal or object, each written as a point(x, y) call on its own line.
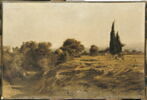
point(89, 23)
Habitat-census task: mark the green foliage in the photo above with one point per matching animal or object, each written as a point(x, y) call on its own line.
point(93, 50)
point(73, 47)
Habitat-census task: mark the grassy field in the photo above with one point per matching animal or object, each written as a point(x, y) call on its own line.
point(90, 77)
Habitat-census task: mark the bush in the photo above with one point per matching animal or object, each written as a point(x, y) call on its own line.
point(61, 56)
point(73, 47)
point(36, 55)
point(93, 50)
point(12, 64)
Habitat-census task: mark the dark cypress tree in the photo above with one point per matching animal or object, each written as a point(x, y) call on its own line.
point(115, 43)
point(118, 44)
point(112, 40)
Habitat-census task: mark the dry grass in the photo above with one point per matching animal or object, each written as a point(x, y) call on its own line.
point(8, 92)
point(90, 77)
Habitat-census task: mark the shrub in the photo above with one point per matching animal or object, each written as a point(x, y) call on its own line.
point(93, 50)
point(73, 47)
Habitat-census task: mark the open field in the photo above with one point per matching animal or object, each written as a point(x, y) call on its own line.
point(91, 77)
point(97, 76)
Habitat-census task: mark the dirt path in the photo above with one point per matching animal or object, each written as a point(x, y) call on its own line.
point(22, 90)
point(9, 91)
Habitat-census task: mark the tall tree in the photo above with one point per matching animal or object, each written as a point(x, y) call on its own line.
point(119, 45)
point(112, 40)
point(115, 43)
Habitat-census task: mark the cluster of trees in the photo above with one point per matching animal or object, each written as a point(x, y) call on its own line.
point(115, 46)
point(39, 57)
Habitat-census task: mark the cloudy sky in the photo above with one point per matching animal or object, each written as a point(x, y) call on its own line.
point(89, 23)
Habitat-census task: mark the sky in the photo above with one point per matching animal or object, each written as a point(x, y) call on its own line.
point(89, 23)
